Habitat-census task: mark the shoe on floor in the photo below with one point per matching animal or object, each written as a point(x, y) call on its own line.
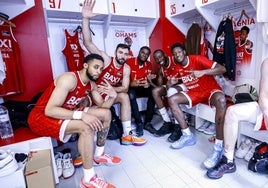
point(149, 127)
point(107, 160)
point(175, 135)
point(67, 166)
point(185, 140)
point(78, 161)
point(214, 157)
point(8, 164)
point(59, 159)
point(139, 130)
point(221, 168)
point(204, 126)
point(166, 128)
point(132, 139)
point(95, 182)
point(211, 129)
point(250, 153)
point(243, 148)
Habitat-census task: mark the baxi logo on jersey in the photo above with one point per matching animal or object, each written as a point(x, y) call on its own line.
point(111, 78)
point(5, 44)
point(74, 47)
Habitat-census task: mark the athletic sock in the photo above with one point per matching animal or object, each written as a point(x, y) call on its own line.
point(164, 114)
point(126, 127)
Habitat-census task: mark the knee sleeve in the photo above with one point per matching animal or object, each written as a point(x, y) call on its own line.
point(171, 91)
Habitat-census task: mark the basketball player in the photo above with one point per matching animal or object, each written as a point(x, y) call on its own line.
point(116, 72)
point(197, 74)
point(61, 112)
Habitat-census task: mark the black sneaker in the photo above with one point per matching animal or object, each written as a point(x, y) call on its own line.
point(165, 129)
point(139, 130)
point(175, 135)
point(149, 127)
point(221, 168)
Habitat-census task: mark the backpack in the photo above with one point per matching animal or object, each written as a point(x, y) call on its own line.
point(259, 161)
point(19, 111)
point(116, 127)
point(244, 93)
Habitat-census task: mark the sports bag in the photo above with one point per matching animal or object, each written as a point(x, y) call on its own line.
point(259, 161)
point(244, 93)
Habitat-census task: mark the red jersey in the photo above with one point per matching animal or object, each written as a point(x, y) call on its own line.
point(112, 74)
point(242, 56)
point(170, 70)
point(204, 83)
point(77, 99)
point(139, 72)
point(73, 99)
point(73, 52)
point(13, 83)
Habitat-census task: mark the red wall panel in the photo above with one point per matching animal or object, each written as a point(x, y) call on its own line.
point(31, 35)
point(164, 35)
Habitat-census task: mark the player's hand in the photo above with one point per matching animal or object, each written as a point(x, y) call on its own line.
point(87, 9)
point(107, 89)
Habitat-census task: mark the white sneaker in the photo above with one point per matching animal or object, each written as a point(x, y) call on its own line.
point(68, 167)
point(243, 149)
point(58, 160)
point(250, 153)
point(8, 164)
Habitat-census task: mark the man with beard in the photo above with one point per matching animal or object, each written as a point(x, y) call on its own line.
point(197, 74)
point(116, 72)
point(165, 88)
point(141, 85)
point(58, 114)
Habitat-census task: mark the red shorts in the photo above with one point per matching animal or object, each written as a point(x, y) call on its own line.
point(43, 125)
point(195, 97)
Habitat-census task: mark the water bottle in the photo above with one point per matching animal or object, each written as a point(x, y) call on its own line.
point(6, 129)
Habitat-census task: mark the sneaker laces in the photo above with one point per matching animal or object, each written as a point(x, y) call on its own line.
point(59, 163)
point(66, 163)
point(99, 182)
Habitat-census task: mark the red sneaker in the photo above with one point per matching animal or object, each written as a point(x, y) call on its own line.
point(107, 160)
point(95, 182)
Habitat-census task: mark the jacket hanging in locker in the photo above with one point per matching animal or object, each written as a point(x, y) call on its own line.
point(225, 49)
point(13, 83)
point(73, 52)
point(193, 38)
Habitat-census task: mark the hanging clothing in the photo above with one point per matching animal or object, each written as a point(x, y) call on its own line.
point(2, 69)
point(73, 52)
point(193, 38)
point(13, 82)
point(225, 49)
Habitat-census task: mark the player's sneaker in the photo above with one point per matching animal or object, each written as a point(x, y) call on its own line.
point(67, 166)
point(214, 157)
point(131, 139)
point(221, 168)
point(185, 140)
point(243, 148)
point(58, 159)
point(8, 164)
point(95, 182)
point(107, 160)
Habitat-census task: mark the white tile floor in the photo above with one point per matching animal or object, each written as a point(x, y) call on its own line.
point(157, 165)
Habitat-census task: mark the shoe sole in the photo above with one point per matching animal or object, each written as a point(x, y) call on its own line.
point(188, 144)
point(218, 177)
point(106, 164)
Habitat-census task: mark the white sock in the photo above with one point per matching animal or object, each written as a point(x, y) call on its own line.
point(126, 127)
point(164, 114)
point(99, 150)
point(176, 122)
point(187, 131)
point(88, 174)
point(219, 142)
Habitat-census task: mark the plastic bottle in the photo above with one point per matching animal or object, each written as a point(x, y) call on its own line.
point(6, 129)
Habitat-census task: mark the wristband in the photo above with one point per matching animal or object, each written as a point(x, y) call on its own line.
point(77, 114)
